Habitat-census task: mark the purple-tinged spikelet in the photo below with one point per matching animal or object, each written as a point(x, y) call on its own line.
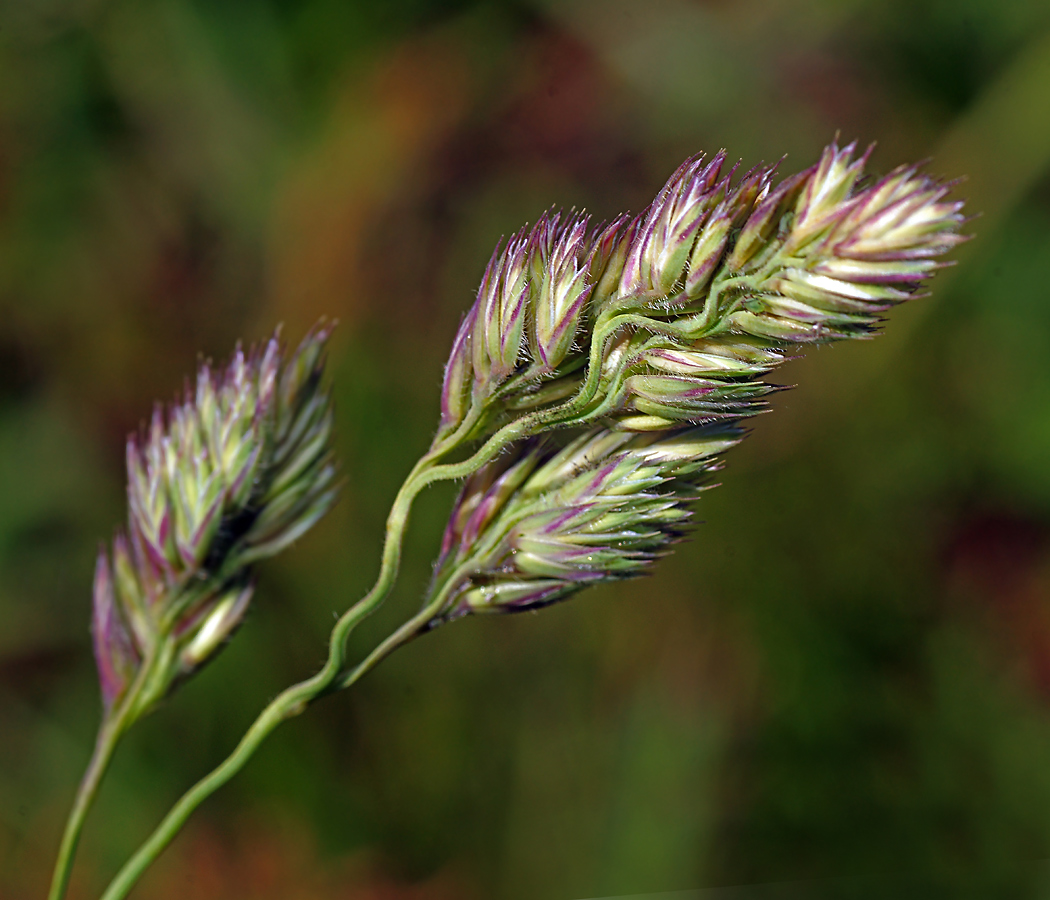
point(500, 320)
point(456, 388)
point(689, 398)
point(528, 313)
point(658, 257)
point(734, 206)
point(560, 272)
point(609, 255)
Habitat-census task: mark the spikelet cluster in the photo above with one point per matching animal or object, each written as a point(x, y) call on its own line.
point(542, 523)
point(234, 473)
point(526, 316)
point(684, 309)
point(815, 258)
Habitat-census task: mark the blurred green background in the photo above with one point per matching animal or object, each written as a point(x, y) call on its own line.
point(845, 673)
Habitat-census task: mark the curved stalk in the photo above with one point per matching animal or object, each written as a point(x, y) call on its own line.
point(286, 705)
point(295, 699)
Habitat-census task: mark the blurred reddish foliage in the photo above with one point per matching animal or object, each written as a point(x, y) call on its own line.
point(1000, 563)
point(266, 859)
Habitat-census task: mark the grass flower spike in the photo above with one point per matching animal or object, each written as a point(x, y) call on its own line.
point(816, 258)
point(526, 316)
point(233, 474)
point(560, 273)
point(692, 304)
point(589, 394)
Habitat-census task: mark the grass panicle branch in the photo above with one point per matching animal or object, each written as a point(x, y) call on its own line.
point(713, 267)
point(542, 523)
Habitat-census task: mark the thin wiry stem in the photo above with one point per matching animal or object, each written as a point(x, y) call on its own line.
point(105, 745)
point(295, 700)
point(109, 734)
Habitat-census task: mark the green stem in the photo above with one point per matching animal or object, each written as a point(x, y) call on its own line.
point(419, 622)
point(286, 705)
point(114, 724)
point(295, 699)
point(105, 744)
